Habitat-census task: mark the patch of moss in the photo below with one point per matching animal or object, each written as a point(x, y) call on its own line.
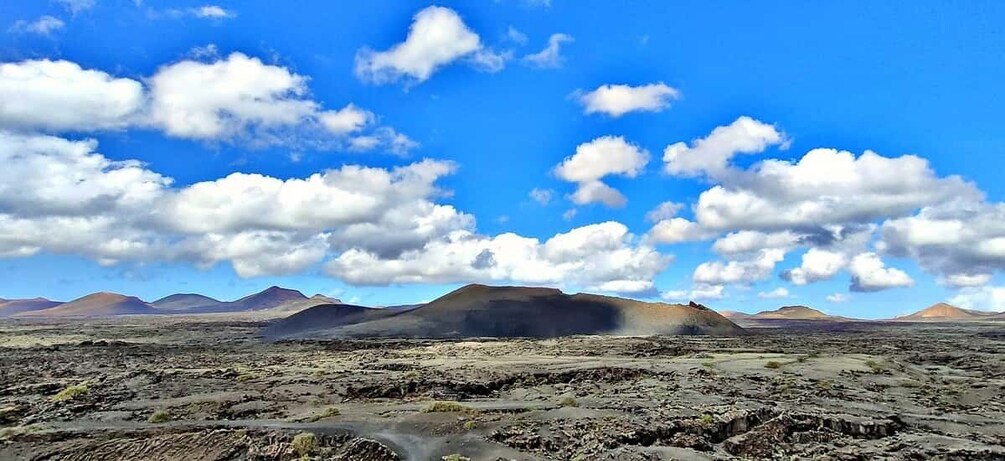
point(159, 416)
point(568, 402)
point(305, 443)
point(327, 413)
point(447, 407)
point(70, 393)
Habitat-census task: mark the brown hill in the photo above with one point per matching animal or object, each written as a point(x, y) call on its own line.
point(734, 315)
point(182, 302)
point(9, 307)
point(793, 313)
point(485, 311)
point(943, 312)
point(96, 305)
point(266, 299)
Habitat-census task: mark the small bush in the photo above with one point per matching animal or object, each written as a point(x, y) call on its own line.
point(447, 407)
point(708, 364)
point(305, 443)
point(706, 419)
point(412, 375)
point(568, 402)
point(470, 425)
point(327, 413)
point(159, 416)
point(245, 377)
point(874, 365)
point(70, 393)
point(773, 365)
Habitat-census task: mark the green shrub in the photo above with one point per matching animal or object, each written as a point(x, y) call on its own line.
point(159, 416)
point(327, 413)
point(706, 419)
point(470, 425)
point(447, 407)
point(70, 393)
point(305, 443)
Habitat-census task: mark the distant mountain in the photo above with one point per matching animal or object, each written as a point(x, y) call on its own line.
point(947, 313)
point(9, 307)
point(796, 313)
point(266, 299)
point(96, 305)
point(486, 311)
point(297, 305)
point(185, 302)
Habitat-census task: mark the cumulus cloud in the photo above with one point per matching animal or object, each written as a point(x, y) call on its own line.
point(837, 298)
point(745, 271)
point(61, 96)
point(745, 241)
point(677, 230)
point(701, 292)
point(664, 211)
point(372, 225)
point(985, 298)
point(44, 25)
point(777, 293)
point(711, 155)
point(551, 56)
point(436, 38)
point(964, 242)
point(817, 265)
point(607, 155)
point(233, 99)
point(600, 256)
point(869, 273)
point(617, 100)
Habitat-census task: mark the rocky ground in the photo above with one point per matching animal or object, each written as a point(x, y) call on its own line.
point(195, 389)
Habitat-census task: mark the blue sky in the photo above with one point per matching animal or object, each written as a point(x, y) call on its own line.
point(495, 114)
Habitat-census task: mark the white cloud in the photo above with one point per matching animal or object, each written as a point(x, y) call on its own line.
point(677, 230)
point(76, 6)
point(550, 56)
point(349, 119)
point(598, 192)
point(711, 155)
point(664, 211)
point(825, 187)
point(240, 98)
point(228, 97)
point(697, 292)
point(607, 155)
point(777, 293)
point(598, 256)
point(367, 225)
point(837, 298)
point(756, 268)
point(965, 280)
point(61, 96)
point(44, 25)
point(437, 37)
point(985, 298)
point(963, 241)
point(750, 241)
point(213, 12)
point(869, 273)
point(515, 36)
point(541, 196)
point(567, 215)
point(817, 265)
point(617, 100)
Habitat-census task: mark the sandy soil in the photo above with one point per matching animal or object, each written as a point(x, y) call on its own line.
point(171, 389)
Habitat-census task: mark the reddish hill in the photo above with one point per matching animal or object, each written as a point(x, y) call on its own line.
point(185, 302)
point(266, 299)
point(96, 305)
point(946, 312)
point(9, 307)
point(793, 313)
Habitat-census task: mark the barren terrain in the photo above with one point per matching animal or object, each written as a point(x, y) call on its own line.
point(189, 388)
